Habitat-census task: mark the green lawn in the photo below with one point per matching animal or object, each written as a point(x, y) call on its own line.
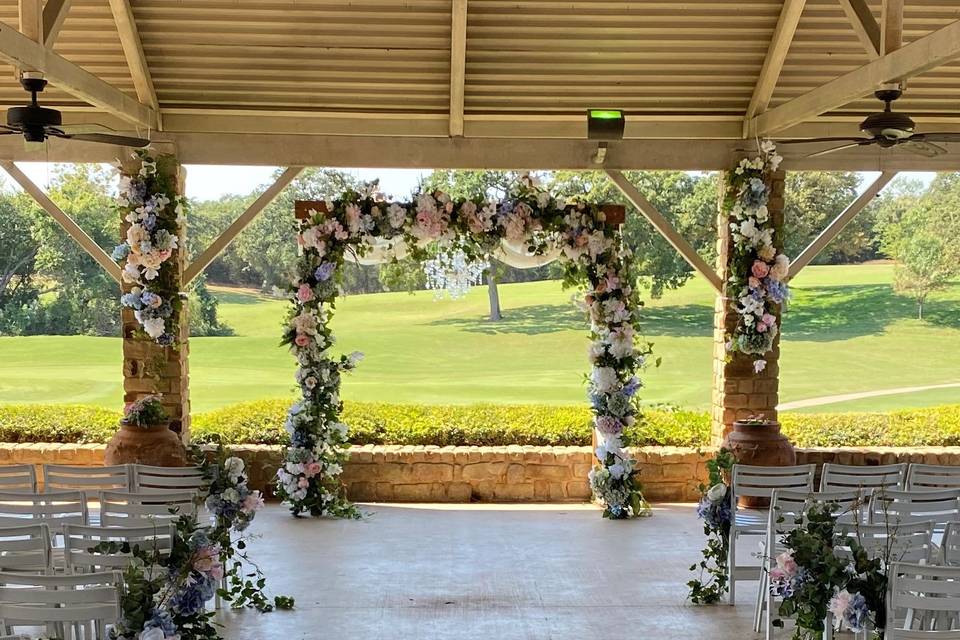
point(845, 332)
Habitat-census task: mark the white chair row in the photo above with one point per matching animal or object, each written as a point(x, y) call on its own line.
point(905, 476)
point(923, 602)
point(139, 478)
point(71, 607)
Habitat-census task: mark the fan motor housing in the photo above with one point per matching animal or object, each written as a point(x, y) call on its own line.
point(32, 120)
point(877, 123)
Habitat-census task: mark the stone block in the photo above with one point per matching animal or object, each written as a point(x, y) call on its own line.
point(519, 491)
point(551, 471)
point(680, 471)
point(459, 492)
point(516, 473)
point(432, 472)
point(579, 489)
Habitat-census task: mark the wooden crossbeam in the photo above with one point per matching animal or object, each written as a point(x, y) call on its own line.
point(242, 222)
point(458, 64)
point(864, 25)
point(891, 26)
point(133, 52)
point(54, 13)
point(839, 223)
point(23, 53)
point(31, 19)
point(776, 55)
point(667, 230)
point(923, 54)
point(80, 236)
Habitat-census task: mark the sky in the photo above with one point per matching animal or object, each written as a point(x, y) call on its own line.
point(209, 182)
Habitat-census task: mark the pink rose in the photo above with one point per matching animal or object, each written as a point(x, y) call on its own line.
point(761, 326)
point(253, 502)
point(302, 340)
point(753, 283)
point(207, 560)
point(312, 469)
point(303, 483)
point(760, 269)
point(304, 293)
point(768, 320)
point(786, 562)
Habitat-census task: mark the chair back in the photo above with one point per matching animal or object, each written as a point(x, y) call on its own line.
point(786, 506)
point(848, 476)
point(127, 509)
point(941, 507)
point(18, 478)
point(933, 476)
point(55, 508)
point(90, 480)
point(904, 542)
point(71, 607)
point(80, 540)
point(150, 479)
point(26, 549)
point(950, 546)
point(760, 482)
point(919, 595)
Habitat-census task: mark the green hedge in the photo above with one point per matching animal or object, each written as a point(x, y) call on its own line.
point(377, 423)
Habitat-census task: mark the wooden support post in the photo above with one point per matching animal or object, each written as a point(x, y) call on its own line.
point(458, 64)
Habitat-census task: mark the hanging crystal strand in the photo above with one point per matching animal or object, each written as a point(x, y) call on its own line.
point(453, 273)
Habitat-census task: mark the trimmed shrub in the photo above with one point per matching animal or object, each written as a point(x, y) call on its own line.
point(57, 423)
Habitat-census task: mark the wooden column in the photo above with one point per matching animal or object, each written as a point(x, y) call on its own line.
point(150, 368)
point(738, 392)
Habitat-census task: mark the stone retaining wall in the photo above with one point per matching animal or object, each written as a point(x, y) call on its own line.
point(493, 474)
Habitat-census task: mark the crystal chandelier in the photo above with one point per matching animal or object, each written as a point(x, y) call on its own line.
point(453, 273)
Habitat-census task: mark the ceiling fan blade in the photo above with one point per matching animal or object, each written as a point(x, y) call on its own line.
point(812, 140)
point(862, 142)
point(935, 137)
point(922, 148)
point(106, 138)
point(74, 129)
point(7, 132)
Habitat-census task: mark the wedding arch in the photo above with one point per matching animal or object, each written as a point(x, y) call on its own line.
point(528, 227)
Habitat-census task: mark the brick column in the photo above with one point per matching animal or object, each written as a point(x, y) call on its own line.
point(738, 392)
point(150, 368)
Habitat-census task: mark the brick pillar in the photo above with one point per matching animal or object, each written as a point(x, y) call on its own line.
point(738, 392)
point(150, 368)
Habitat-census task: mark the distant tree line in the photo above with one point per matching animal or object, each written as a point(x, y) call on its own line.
point(49, 286)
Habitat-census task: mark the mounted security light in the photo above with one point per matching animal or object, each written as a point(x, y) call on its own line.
point(605, 124)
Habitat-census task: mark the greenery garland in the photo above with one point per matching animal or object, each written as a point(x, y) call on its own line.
point(359, 222)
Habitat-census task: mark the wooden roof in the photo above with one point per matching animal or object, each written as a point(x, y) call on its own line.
point(408, 78)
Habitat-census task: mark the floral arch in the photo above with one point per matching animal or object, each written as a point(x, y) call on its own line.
point(529, 227)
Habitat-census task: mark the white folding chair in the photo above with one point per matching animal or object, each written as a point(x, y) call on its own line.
point(910, 542)
point(70, 607)
point(55, 509)
point(156, 539)
point(933, 476)
point(848, 476)
point(940, 507)
point(126, 509)
point(26, 549)
point(758, 482)
point(950, 546)
point(151, 479)
point(90, 480)
point(923, 602)
point(20, 478)
point(785, 507)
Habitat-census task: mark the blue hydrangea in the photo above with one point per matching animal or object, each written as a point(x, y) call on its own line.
point(120, 252)
point(325, 271)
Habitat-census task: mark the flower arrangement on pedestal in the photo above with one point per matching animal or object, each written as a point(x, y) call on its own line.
point(154, 210)
point(356, 223)
point(758, 273)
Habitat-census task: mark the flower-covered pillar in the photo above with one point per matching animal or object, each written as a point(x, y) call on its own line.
point(154, 314)
point(746, 346)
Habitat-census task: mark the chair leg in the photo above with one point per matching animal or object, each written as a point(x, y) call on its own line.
point(761, 601)
point(732, 567)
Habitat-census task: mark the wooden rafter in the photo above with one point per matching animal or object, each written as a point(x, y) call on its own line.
point(133, 52)
point(458, 64)
point(31, 19)
point(667, 230)
point(243, 220)
point(923, 54)
point(54, 13)
point(891, 26)
point(776, 55)
point(839, 223)
point(864, 25)
point(87, 243)
point(24, 53)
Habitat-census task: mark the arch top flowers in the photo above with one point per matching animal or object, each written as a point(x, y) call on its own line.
point(362, 223)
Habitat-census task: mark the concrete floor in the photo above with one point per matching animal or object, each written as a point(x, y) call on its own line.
point(498, 572)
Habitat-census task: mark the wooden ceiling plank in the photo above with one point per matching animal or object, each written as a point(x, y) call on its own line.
point(458, 64)
point(864, 25)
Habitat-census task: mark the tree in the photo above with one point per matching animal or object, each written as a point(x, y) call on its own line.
point(812, 199)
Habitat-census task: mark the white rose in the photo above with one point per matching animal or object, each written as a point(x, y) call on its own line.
point(780, 268)
point(605, 379)
point(717, 492)
point(231, 495)
point(153, 633)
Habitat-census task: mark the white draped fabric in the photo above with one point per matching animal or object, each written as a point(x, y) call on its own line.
point(515, 255)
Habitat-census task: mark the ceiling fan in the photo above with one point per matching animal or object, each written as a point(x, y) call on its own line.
point(888, 129)
point(37, 123)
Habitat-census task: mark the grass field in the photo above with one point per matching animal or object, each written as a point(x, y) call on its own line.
point(844, 332)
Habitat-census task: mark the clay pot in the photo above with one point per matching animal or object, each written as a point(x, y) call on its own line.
point(154, 444)
point(760, 444)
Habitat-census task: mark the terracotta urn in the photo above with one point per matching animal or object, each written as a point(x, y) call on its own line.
point(154, 444)
point(759, 443)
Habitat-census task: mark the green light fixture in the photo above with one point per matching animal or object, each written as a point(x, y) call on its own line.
point(605, 124)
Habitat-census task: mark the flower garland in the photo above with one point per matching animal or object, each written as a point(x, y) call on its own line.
point(154, 209)
point(715, 509)
point(593, 258)
point(757, 272)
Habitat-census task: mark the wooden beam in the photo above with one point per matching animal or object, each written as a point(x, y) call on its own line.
point(864, 25)
point(72, 228)
point(24, 53)
point(243, 220)
point(133, 52)
point(776, 55)
point(458, 64)
point(54, 13)
point(923, 54)
point(667, 230)
point(31, 19)
point(891, 26)
point(839, 223)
